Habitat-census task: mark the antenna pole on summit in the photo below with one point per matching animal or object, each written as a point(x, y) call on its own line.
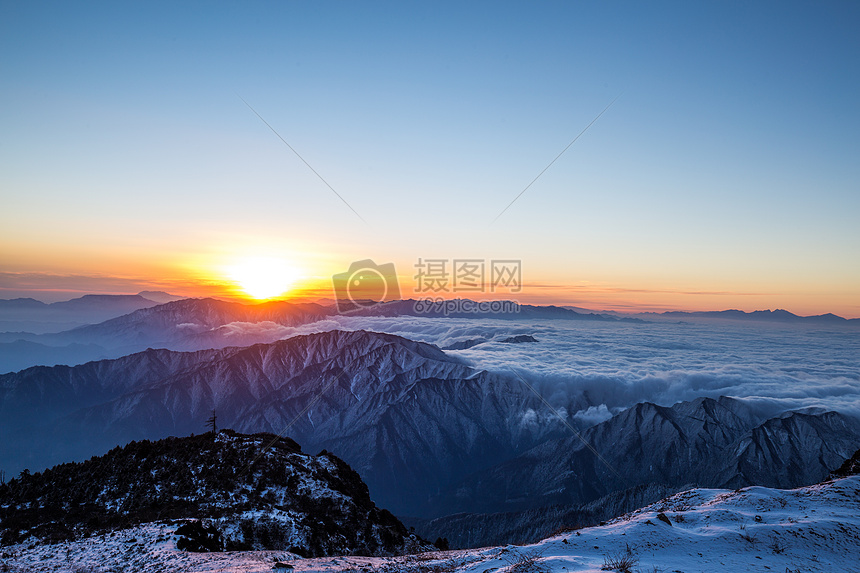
point(211, 423)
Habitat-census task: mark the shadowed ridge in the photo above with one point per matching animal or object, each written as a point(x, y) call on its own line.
point(259, 492)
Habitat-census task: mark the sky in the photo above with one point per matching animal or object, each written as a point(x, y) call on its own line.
point(724, 175)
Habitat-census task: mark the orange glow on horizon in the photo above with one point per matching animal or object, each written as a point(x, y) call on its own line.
point(319, 289)
point(251, 273)
point(264, 278)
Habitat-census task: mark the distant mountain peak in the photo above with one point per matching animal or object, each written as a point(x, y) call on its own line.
point(777, 315)
point(159, 296)
point(22, 302)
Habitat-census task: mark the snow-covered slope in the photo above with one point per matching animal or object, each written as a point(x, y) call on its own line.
point(809, 529)
point(258, 492)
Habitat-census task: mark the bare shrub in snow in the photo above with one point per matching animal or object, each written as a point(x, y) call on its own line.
point(520, 562)
point(776, 545)
point(622, 562)
point(747, 536)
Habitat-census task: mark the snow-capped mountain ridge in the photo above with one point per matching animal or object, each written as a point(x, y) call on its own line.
point(430, 434)
point(711, 442)
point(405, 414)
point(195, 324)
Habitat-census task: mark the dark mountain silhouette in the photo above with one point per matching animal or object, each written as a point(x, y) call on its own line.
point(778, 315)
point(519, 527)
point(711, 443)
point(187, 324)
point(519, 339)
point(850, 467)
point(21, 303)
point(22, 354)
point(27, 315)
point(407, 416)
point(257, 492)
point(430, 434)
point(160, 296)
point(413, 307)
point(465, 344)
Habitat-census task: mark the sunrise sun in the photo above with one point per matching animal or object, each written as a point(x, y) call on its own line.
point(264, 277)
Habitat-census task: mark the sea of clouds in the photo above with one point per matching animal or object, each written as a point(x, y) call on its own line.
point(604, 367)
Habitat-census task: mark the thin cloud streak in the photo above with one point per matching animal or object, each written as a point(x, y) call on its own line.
point(315, 172)
point(580, 134)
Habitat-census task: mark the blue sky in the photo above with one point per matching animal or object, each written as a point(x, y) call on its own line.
point(728, 165)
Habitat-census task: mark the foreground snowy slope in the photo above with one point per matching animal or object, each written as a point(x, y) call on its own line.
point(256, 492)
point(815, 528)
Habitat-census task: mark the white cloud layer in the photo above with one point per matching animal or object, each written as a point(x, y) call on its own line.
point(611, 366)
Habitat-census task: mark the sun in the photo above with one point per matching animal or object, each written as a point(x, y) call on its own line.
point(264, 277)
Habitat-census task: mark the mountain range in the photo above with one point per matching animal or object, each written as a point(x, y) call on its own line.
point(778, 315)
point(198, 324)
point(110, 326)
point(706, 442)
point(430, 434)
point(34, 316)
point(406, 415)
point(187, 324)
